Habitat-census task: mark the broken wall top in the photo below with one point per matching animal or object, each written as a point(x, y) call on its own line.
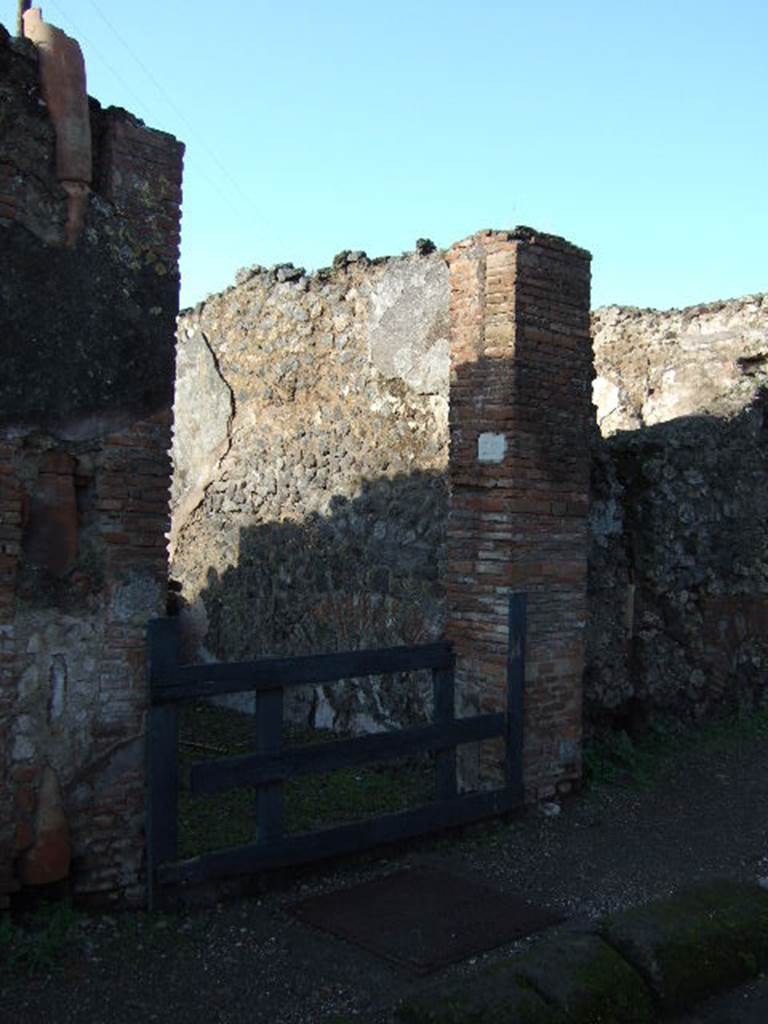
point(86, 333)
point(656, 366)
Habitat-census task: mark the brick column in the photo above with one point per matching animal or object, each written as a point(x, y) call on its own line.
point(143, 177)
point(520, 415)
point(85, 429)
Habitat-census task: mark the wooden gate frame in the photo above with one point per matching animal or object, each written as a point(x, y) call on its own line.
point(171, 684)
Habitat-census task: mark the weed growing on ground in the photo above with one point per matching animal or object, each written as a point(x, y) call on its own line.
point(311, 802)
point(618, 758)
point(43, 940)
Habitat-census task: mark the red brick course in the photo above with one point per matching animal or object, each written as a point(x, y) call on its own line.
point(521, 370)
point(84, 510)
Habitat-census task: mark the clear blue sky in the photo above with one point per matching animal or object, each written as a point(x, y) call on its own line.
point(639, 131)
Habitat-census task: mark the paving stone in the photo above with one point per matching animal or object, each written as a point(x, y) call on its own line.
point(700, 941)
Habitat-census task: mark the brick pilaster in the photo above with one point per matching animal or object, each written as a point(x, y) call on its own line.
point(84, 487)
point(142, 174)
point(519, 469)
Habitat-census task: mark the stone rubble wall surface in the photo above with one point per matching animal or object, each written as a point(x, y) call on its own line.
point(87, 341)
point(310, 448)
point(652, 367)
point(679, 516)
point(313, 446)
point(310, 509)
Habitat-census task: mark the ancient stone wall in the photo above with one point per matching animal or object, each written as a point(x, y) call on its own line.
point(310, 447)
point(326, 444)
point(87, 347)
point(679, 557)
point(654, 366)
point(311, 467)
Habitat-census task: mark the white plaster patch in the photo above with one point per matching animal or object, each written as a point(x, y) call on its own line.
point(491, 447)
point(408, 323)
point(324, 714)
point(606, 397)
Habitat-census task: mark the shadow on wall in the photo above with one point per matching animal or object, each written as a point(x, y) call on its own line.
point(368, 574)
point(677, 587)
point(372, 571)
point(678, 580)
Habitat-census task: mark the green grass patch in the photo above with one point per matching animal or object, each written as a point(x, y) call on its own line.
point(206, 823)
point(311, 802)
point(40, 941)
point(664, 745)
point(352, 794)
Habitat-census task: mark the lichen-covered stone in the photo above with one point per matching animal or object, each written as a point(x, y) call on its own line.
point(702, 940)
point(491, 996)
point(571, 977)
point(586, 979)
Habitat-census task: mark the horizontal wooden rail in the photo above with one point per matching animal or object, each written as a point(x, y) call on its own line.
point(300, 849)
point(269, 765)
point(257, 769)
point(194, 682)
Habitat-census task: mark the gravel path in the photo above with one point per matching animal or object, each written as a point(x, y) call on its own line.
point(705, 816)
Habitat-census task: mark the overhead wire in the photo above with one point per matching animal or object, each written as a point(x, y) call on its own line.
point(145, 107)
point(83, 37)
point(163, 93)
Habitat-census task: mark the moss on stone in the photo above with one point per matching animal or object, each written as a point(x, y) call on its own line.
point(583, 977)
point(492, 996)
point(700, 941)
point(572, 977)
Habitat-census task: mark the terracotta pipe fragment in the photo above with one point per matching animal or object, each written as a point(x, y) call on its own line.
point(62, 80)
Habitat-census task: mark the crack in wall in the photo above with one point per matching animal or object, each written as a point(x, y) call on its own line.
point(204, 411)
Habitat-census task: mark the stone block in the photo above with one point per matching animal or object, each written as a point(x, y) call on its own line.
point(492, 996)
point(699, 941)
point(586, 980)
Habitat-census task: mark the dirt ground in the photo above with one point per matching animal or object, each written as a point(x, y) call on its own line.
point(700, 811)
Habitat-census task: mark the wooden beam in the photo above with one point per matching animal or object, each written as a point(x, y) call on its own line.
point(201, 681)
point(260, 769)
point(444, 703)
point(269, 799)
point(334, 842)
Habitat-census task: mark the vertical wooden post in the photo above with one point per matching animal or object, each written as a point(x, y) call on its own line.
point(518, 619)
point(443, 696)
point(269, 797)
point(162, 816)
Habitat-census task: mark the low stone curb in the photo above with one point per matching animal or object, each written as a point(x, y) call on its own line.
point(701, 941)
point(635, 965)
